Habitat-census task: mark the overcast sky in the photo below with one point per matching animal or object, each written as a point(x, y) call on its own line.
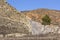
point(22, 5)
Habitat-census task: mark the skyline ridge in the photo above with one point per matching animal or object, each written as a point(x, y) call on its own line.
point(22, 5)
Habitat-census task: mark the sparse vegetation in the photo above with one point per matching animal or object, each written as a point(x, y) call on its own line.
point(46, 20)
point(3, 30)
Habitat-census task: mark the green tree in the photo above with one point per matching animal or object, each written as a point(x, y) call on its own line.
point(46, 20)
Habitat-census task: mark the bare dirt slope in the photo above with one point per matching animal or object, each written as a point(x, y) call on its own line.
point(37, 14)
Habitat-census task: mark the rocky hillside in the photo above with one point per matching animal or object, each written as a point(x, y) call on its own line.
point(12, 21)
point(26, 22)
point(36, 15)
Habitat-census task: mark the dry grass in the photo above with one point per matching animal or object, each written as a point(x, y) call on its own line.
point(35, 37)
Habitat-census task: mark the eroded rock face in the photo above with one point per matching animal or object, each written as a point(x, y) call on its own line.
point(38, 28)
point(14, 20)
point(25, 24)
point(36, 20)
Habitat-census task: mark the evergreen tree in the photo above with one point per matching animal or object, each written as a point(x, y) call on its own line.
point(46, 20)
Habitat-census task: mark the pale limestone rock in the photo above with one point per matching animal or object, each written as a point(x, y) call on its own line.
point(15, 35)
point(59, 30)
point(38, 28)
point(1, 35)
point(51, 28)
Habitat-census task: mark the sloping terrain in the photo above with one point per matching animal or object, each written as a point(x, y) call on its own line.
point(36, 15)
point(12, 20)
point(27, 22)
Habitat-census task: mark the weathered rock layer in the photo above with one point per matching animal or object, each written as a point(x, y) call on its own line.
point(14, 20)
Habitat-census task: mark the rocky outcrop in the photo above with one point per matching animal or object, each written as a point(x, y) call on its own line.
point(12, 20)
point(35, 17)
point(38, 28)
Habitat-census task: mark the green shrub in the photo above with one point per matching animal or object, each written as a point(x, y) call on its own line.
point(46, 20)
